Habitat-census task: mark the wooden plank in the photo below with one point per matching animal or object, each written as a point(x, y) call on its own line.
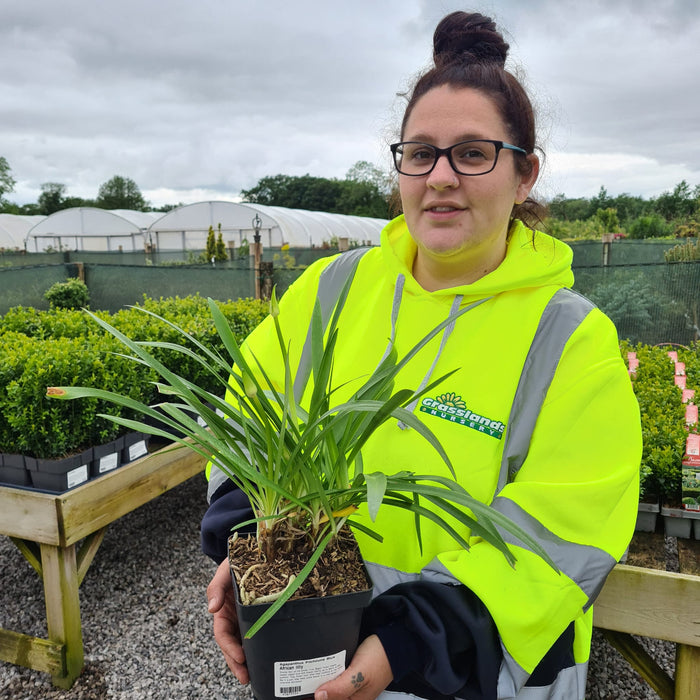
point(63, 608)
point(98, 503)
point(87, 552)
point(30, 551)
point(650, 603)
point(29, 515)
point(642, 662)
point(32, 652)
point(687, 673)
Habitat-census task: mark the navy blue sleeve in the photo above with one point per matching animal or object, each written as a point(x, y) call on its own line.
point(440, 640)
point(229, 506)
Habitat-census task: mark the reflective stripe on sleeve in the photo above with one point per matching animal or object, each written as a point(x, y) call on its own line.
point(585, 565)
point(562, 316)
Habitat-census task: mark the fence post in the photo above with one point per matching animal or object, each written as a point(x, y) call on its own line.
point(607, 243)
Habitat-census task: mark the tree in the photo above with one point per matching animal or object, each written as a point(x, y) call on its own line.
point(608, 219)
point(362, 193)
point(210, 250)
point(121, 193)
point(652, 226)
point(221, 254)
point(296, 192)
point(52, 197)
point(364, 171)
point(7, 182)
point(682, 202)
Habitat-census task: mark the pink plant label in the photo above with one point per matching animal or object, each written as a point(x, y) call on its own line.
point(688, 395)
point(631, 356)
point(633, 363)
point(692, 445)
point(673, 355)
point(680, 381)
point(691, 414)
point(680, 368)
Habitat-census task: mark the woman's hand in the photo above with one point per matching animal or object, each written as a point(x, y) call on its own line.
point(368, 674)
point(222, 606)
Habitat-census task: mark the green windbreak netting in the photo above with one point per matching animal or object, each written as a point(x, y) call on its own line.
point(25, 286)
point(648, 303)
point(113, 286)
point(651, 303)
point(620, 252)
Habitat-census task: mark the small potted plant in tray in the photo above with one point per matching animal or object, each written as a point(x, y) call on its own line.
point(302, 471)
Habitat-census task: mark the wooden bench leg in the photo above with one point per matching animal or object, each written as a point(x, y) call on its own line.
point(643, 663)
point(687, 672)
point(60, 570)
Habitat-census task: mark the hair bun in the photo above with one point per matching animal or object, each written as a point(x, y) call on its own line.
point(468, 37)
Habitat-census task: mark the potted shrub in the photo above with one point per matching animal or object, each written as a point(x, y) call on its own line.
point(648, 508)
point(302, 471)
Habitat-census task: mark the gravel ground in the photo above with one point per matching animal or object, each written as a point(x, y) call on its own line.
point(146, 630)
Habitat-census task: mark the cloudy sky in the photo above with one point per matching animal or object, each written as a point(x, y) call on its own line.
point(198, 100)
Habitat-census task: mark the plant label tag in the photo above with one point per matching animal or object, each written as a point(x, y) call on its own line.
point(679, 379)
point(304, 676)
point(692, 445)
point(138, 449)
point(107, 463)
point(77, 476)
point(673, 355)
point(688, 395)
point(691, 414)
point(631, 355)
point(680, 368)
point(633, 363)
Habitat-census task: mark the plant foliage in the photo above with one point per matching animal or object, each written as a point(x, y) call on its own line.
point(301, 466)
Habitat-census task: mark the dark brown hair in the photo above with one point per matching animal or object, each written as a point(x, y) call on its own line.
point(469, 52)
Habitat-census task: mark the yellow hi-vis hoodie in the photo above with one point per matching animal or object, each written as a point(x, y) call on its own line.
point(539, 420)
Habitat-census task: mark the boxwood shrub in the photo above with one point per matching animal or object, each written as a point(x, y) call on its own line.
point(662, 411)
point(64, 347)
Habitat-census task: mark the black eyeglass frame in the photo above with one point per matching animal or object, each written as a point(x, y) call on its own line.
point(500, 146)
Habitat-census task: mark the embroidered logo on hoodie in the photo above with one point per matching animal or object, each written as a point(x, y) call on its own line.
point(451, 407)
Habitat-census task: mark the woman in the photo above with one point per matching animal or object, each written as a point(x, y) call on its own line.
point(540, 420)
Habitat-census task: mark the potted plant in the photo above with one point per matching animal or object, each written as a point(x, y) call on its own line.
point(648, 507)
point(302, 471)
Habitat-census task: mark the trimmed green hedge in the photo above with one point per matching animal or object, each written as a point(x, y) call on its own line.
point(64, 347)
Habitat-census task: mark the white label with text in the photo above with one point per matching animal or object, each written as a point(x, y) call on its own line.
point(138, 449)
point(304, 676)
point(108, 462)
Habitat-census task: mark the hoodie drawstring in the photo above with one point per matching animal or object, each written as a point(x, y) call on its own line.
point(396, 305)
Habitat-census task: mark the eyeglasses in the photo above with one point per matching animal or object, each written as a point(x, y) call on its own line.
point(476, 157)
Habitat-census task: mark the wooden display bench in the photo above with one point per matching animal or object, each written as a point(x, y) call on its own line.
point(59, 535)
point(650, 602)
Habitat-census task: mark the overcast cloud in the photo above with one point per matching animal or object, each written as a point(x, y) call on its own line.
point(198, 100)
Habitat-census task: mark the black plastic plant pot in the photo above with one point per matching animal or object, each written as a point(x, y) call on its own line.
point(59, 475)
point(13, 470)
point(306, 643)
point(106, 457)
point(135, 446)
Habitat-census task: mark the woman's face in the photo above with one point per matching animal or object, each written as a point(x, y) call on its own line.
point(460, 222)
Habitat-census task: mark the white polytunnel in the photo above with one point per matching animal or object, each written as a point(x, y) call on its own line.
point(14, 229)
point(187, 227)
point(91, 229)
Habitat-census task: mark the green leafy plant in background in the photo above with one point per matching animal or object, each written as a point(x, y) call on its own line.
point(72, 294)
point(664, 430)
point(301, 469)
point(65, 346)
